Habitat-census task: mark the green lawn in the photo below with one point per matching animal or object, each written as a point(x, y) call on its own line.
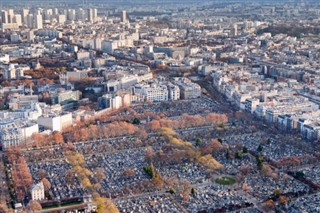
point(225, 180)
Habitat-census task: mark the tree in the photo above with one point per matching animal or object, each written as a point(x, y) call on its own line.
point(57, 137)
point(100, 174)
point(260, 160)
point(213, 146)
point(152, 171)
point(82, 172)
point(5, 208)
point(136, 121)
point(68, 146)
point(283, 200)
point(97, 186)
point(299, 174)
point(244, 170)
point(94, 131)
point(167, 132)
point(69, 175)
point(34, 206)
point(154, 125)
point(210, 163)
point(158, 181)
point(216, 118)
point(171, 182)
point(86, 183)
point(238, 155)
point(289, 161)
point(129, 172)
point(84, 134)
point(266, 170)
point(149, 154)
point(142, 134)
point(269, 205)
point(105, 205)
point(183, 188)
point(46, 184)
point(198, 142)
point(42, 173)
point(245, 187)
point(171, 191)
point(245, 149)
point(38, 139)
point(193, 191)
point(179, 142)
point(277, 192)
point(259, 149)
point(75, 158)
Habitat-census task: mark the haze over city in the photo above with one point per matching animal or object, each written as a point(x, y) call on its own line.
point(159, 106)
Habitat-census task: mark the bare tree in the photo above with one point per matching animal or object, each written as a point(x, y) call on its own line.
point(34, 206)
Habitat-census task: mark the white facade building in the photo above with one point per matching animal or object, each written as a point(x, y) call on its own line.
point(37, 191)
point(55, 122)
point(16, 132)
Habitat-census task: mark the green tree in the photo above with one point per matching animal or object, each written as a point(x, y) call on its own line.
point(171, 190)
point(299, 174)
point(277, 192)
point(193, 191)
point(152, 171)
point(239, 155)
point(260, 161)
point(245, 149)
point(136, 121)
point(147, 170)
point(198, 142)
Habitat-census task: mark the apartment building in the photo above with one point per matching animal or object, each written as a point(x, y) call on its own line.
point(55, 121)
point(16, 132)
point(188, 89)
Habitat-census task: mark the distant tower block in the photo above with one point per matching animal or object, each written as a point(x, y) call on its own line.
point(234, 30)
point(124, 16)
point(90, 15)
point(38, 21)
point(30, 36)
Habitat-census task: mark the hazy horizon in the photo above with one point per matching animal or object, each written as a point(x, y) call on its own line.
point(125, 2)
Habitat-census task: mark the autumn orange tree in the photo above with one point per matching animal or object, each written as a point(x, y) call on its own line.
point(289, 161)
point(187, 121)
point(57, 137)
point(4, 208)
point(183, 188)
point(269, 205)
point(213, 146)
point(21, 175)
point(34, 206)
point(92, 132)
point(283, 200)
point(46, 184)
